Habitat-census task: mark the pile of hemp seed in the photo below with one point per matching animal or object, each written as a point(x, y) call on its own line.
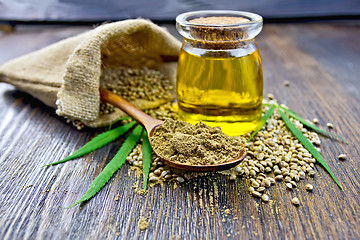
point(274, 156)
point(132, 84)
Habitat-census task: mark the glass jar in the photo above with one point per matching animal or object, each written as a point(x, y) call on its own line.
point(219, 73)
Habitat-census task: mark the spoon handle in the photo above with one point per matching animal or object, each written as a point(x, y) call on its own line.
point(147, 121)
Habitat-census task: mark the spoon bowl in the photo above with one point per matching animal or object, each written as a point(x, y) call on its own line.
point(151, 124)
point(205, 168)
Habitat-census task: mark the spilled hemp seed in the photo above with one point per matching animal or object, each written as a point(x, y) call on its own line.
point(295, 201)
point(342, 157)
point(274, 155)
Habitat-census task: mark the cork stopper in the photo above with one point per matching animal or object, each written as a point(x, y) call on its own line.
point(222, 20)
point(218, 32)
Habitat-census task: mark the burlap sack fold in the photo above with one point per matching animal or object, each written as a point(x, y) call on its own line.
point(66, 75)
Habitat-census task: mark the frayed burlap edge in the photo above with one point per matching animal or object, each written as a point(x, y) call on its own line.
point(83, 70)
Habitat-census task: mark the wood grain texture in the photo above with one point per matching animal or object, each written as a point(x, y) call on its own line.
point(321, 62)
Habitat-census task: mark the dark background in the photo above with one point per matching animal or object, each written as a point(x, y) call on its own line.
point(166, 10)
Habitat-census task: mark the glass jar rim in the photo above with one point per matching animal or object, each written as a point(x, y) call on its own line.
point(227, 31)
point(184, 18)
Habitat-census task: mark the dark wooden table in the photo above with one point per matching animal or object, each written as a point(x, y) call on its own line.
point(322, 63)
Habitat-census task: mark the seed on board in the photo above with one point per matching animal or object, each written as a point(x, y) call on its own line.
point(261, 178)
point(297, 178)
point(287, 179)
point(268, 169)
point(329, 125)
point(271, 180)
point(315, 120)
point(295, 201)
point(157, 172)
point(153, 179)
point(187, 176)
point(265, 198)
point(309, 187)
point(285, 172)
point(164, 173)
point(270, 96)
point(279, 178)
point(261, 189)
point(342, 157)
point(180, 179)
point(251, 189)
point(289, 186)
point(286, 83)
point(312, 173)
point(293, 183)
point(256, 194)
point(255, 184)
point(267, 182)
point(233, 177)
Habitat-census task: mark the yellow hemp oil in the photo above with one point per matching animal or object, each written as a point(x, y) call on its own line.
point(225, 92)
point(219, 74)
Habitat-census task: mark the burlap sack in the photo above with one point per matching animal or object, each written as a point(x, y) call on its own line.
point(66, 75)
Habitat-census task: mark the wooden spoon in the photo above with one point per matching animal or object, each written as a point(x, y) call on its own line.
point(151, 124)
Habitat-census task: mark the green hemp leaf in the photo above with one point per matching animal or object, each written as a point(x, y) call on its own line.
point(115, 164)
point(308, 145)
point(311, 126)
point(146, 155)
point(97, 142)
point(263, 121)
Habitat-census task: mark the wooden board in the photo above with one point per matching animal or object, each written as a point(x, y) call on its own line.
point(321, 62)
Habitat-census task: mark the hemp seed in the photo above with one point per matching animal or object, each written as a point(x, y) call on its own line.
point(271, 180)
point(153, 179)
point(232, 177)
point(265, 198)
point(256, 194)
point(295, 201)
point(255, 184)
point(293, 183)
point(279, 178)
point(180, 179)
point(270, 96)
point(267, 183)
point(342, 157)
point(309, 187)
